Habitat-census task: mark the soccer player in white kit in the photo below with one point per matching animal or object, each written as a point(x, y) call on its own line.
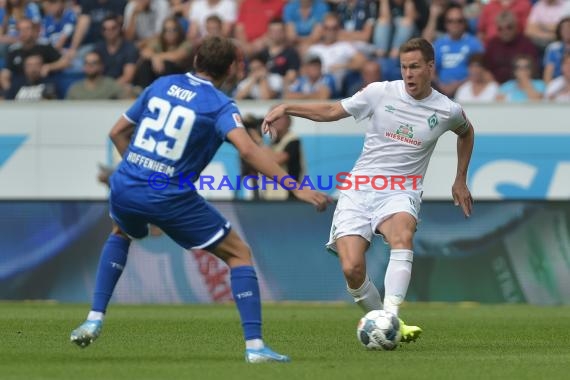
point(404, 120)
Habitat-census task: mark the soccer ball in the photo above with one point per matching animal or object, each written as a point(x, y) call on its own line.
point(379, 330)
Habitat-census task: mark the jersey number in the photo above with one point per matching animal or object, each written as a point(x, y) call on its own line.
point(176, 123)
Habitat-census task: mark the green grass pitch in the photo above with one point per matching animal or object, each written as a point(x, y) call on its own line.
point(460, 341)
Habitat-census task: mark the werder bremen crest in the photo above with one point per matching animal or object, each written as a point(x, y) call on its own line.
point(432, 121)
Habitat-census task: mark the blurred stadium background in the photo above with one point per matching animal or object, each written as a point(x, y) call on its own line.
point(514, 249)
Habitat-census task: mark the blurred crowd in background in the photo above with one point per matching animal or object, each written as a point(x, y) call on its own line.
point(486, 50)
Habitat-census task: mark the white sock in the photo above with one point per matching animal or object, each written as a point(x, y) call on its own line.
point(367, 296)
point(255, 344)
point(397, 279)
point(95, 316)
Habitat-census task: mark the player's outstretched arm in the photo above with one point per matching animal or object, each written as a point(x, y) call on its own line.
point(264, 163)
point(460, 191)
point(312, 111)
point(121, 134)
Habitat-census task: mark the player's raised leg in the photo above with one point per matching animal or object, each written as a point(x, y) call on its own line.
point(351, 252)
point(398, 230)
point(245, 290)
point(111, 263)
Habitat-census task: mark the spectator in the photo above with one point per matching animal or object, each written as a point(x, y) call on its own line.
point(312, 84)
point(303, 19)
point(502, 49)
point(435, 26)
point(201, 9)
point(214, 26)
point(259, 83)
point(523, 87)
point(28, 44)
point(559, 88)
point(542, 20)
point(398, 21)
point(180, 10)
point(32, 86)
point(337, 57)
point(452, 51)
point(254, 20)
point(12, 12)
point(371, 72)
point(88, 30)
point(480, 86)
point(144, 19)
point(119, 56)
point(95, 86)
point(487, 28)
point(287, 152)
point(281, 58)
point(357, 19)
point(170, 53)
point(58, 24)
point(556, 50)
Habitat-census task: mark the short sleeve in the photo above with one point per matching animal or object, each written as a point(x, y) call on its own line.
point(228, 118)
point(458, 121)
point(134, 113)
point(361, 105)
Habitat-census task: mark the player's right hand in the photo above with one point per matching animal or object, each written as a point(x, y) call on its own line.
point(319, 200)
point(271, 116)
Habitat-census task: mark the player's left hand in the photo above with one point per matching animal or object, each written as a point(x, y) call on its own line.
point(271, 116)
point(462, 197)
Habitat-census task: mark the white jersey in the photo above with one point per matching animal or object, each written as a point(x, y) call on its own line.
point(402, 132)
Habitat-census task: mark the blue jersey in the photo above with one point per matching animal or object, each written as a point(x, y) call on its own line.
point(31, 11)
point(452, 56)
point(181, 121)
point(53, 29)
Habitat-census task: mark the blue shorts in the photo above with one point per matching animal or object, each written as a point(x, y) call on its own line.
point(191, 222)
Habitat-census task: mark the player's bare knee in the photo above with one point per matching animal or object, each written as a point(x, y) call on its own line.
point(401, 239)
point(353, 272)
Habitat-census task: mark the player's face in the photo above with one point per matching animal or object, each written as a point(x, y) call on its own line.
point(417, 74)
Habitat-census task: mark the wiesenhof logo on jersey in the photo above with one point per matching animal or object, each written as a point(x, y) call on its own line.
point(404, 133)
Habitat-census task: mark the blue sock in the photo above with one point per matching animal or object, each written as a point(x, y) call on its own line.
point(245, 290)
point(111, 265)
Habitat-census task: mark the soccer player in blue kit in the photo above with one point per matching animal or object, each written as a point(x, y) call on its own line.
point(170, 134)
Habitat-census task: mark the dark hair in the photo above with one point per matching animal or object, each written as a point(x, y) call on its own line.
point(112, 17)
point(259, 57)
point(527, 58)
point(453, 6)
point(214, 56)
point(276, 20)
point(94, 52)
point(214, 17)
point(559, 27)
point(180, 37)
point(420, 44)
point(477, 58)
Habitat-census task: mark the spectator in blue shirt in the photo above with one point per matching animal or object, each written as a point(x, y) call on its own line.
point(452, 51)
point(12, 12)
point(555, 51)
point(523, 88)
point(58, 24)
point(303, 19)
point(312, 84)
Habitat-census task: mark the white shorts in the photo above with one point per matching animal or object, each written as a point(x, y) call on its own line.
point(360, 212)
